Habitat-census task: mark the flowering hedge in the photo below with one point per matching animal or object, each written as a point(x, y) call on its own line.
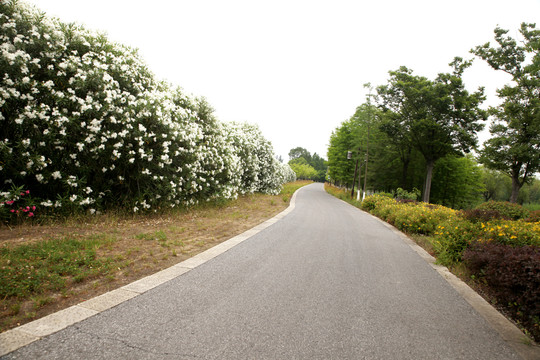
point(86, 126)
point(453, 231)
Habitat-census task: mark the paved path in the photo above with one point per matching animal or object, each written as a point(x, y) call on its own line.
point(326, 282)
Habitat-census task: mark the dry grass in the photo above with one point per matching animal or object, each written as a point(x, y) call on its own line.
point(135, 247)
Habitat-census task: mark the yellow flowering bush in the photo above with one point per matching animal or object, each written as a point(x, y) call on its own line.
point(515, 233)
point(421, 218)
point(413, 217)
point(452, 237)
point(375, 201)
point(453, 232)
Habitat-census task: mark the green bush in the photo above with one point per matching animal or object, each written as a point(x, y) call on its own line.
point(481, 215)
point(534, 216)
point(506, 209)
point(407, 195)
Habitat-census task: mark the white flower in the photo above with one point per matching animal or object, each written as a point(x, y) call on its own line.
point(56, 175)
point(47, 203)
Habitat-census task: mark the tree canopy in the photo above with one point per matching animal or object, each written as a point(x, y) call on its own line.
point(436, 117)
point(514, 146)
point(307, 166)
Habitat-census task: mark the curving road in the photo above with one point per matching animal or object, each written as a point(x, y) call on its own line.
point(326, 282)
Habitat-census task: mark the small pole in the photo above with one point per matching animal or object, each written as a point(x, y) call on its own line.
point(367, 85)
point(359, 183)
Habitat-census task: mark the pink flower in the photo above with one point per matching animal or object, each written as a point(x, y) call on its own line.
point(27, 192)
point(34, 208)
point(10, 202)
point(22, 194)
point(31, 214)
point(12, 210)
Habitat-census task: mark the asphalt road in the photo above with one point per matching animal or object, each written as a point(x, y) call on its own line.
point(326, 282)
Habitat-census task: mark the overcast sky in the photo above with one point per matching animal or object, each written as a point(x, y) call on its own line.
point(296, 67)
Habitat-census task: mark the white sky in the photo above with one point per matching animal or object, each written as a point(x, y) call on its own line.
point(297, 67)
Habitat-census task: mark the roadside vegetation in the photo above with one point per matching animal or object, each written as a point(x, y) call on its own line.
point(495, 247)
point(85, 127)
point(416, 139)
point(44, 268)
point(307, 166)
point(419, 133)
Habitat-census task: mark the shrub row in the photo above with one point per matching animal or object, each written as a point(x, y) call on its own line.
point(84, 125)
point(408, 215)
point(454, 231)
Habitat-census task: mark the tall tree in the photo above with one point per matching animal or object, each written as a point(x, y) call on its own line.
point(303, 170)
point(514, 147)
point(299, 152)
point(458, 182)
point(440, 117)
point(340, 168)
point(301, 156)
point(401, 141)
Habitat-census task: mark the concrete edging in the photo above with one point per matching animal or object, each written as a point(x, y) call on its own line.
point(23, 335)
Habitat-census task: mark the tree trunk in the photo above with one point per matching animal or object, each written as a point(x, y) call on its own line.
point(515, 189)
point(404, 174)
point(427, 186)
point(405, 160)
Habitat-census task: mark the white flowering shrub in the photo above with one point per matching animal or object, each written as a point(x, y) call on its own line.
point(257, 169)
point(85, 125)
point(287, 174)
